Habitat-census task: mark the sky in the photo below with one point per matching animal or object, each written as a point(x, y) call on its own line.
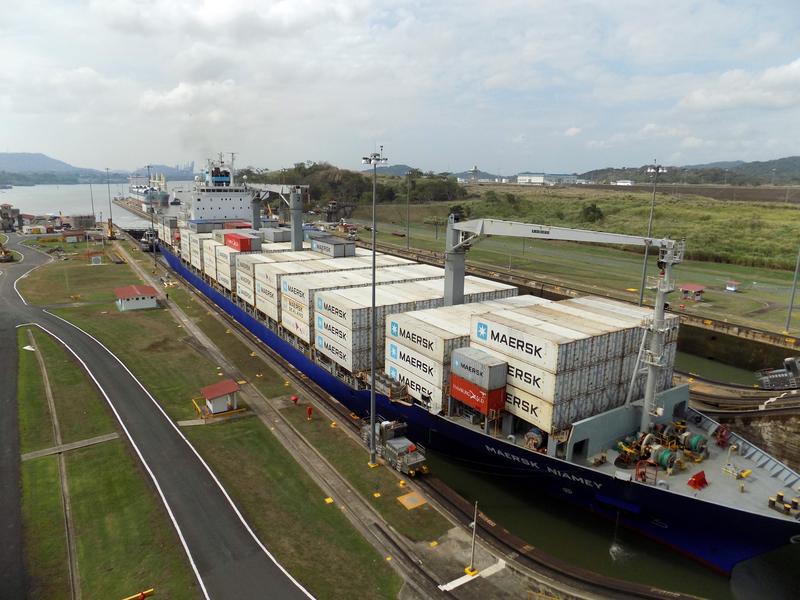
point(508, 85)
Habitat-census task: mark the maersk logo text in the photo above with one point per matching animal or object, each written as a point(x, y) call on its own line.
point(482, 331)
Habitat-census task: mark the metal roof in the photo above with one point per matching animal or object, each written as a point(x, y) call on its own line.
point(133, 291)
point(222, 388)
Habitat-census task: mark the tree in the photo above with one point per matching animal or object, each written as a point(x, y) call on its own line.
point(591, 213)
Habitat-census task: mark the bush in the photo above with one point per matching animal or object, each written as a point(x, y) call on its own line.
point(591, 213)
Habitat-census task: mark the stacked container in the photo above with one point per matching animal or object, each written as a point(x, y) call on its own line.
point(433, 334)
point(196, 253)
point(297, 291)
point(332, 246)
point(185, 248)
point(210, 257)
point(343, 317)
point(478, 380)
point(277, 234)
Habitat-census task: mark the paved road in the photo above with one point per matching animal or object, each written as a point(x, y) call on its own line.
point(227, 559)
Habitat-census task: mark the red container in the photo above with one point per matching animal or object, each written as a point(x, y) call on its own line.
point(478, 398)
point(238, 242)
point(236, 225)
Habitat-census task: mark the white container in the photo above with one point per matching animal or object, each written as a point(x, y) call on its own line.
point(267, 292)
point(290, 306)
point(246, 263)
point(196, 249)
point(426, 339)
point(352, 307)
point(344, 356)
point(529, 408)
point(266, 306)
point(422, 390)
point(336, 331)
point(280, 247)
point(545, 345)
point(487, 371)
point(296, 327)
point(557, 388)
point(210, 257)
point(245, 288)
point(637, 313)
point(424, 367)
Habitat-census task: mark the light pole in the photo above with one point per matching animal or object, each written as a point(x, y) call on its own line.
point(408, 210)
point(374, 159)
point(152, 221)
point(110, 216)
point(91, 195)
point(794, 289)
point(655, 169)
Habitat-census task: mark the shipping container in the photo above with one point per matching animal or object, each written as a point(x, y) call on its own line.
point(280, 246)
point(529, 408)
point(278, 234)
point(210, 257)
point(240, 243)
point(196, 249)
point(485, 370)
point(245, 288)
point(267, 306)
point(637, 313)
point(422, 366)
point(544, 345)
point(296, 327)
point(473, 395)
point(246, 263)
point(343, 356)
point(430, 396)
point(558, 388)
point(333, 246)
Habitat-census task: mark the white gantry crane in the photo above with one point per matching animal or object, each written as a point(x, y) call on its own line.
point(461, 235)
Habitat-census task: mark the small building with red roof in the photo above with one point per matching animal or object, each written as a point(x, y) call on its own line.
point(692, 291)
point(221, 396)
point(732, 286)
point(136, 297)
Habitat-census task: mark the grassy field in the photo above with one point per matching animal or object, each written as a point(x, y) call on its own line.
point(270, 383)
point(35, 431)
point(71, 278)
point(82, 412)
point(43, 528)
point(157, 350)
point(761, 302)
point(350, 459)
point(311, 538)
point(125, 543)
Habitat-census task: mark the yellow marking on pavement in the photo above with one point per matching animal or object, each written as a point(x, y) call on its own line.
point(328, 500)
point(412, 500)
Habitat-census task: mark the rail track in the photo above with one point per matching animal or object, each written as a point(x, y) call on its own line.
point(560, 577)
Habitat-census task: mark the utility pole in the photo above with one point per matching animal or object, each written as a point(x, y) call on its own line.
point(110, 215)
point(91, 195)
point(152, 223)
point(408, 210)
point(791, 297)
point(374, 159)
point(471, 570)
point(655, 169)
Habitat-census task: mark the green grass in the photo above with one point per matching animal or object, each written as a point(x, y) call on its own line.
point(350, 459)
point(43, 528)
point(312, 539)
point(82, 412)
point(270, 383)
point(124, 541)
point(35, 429)
point(72, 275)
point(3, 238)
point(762, 300)
point(154, 348)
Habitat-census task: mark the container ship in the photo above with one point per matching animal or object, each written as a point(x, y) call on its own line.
point(572, 398)
point(150, 191)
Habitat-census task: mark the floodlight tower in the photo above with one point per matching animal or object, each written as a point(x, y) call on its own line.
point(655, 169)
point(374, 159)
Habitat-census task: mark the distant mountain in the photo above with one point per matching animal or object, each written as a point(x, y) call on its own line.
point(781, 171)
point(396, 170)
point(30, 162)
point(724, 164)
point(468, 175)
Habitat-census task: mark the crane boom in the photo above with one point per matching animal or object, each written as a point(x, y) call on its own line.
point(482, 227)
point(461, 235)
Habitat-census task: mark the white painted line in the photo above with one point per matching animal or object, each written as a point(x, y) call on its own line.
point(138, 452)
point(498, 566)
point(197, 454)
point(26, 273)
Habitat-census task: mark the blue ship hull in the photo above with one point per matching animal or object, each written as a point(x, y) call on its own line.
point(716, 535)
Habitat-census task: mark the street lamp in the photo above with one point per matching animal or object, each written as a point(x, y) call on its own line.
point(110, 216)
point(655, 169)
point(374, 159)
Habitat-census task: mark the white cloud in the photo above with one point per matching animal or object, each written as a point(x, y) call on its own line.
point(572, 131)
point(774, 88)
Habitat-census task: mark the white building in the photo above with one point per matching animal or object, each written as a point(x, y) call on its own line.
point(221, 397)
point(547, 179)
point(627, 182)
point(136, 297)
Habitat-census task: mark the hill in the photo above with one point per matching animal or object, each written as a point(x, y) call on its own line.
point(396, 170)
point(172, 173)
point(32, 162)
point(780, 171)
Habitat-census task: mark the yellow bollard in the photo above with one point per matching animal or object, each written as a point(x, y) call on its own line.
point(141, 595)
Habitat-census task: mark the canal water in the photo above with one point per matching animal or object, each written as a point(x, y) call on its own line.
point(77, 199)
point(714, 370)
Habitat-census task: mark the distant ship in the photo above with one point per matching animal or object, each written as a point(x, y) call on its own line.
point(151, 192)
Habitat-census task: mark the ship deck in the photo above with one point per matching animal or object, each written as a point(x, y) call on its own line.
point(739, 475)
point(767, 476)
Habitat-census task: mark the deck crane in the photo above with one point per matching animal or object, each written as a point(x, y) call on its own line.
point(461, 235)
point(294, 202)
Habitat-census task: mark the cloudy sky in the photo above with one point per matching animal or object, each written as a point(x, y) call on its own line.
point(556, 85)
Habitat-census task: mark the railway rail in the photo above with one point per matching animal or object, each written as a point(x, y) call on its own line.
point(551, 573)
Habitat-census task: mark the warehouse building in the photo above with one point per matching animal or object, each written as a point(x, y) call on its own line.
point(547, 179)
